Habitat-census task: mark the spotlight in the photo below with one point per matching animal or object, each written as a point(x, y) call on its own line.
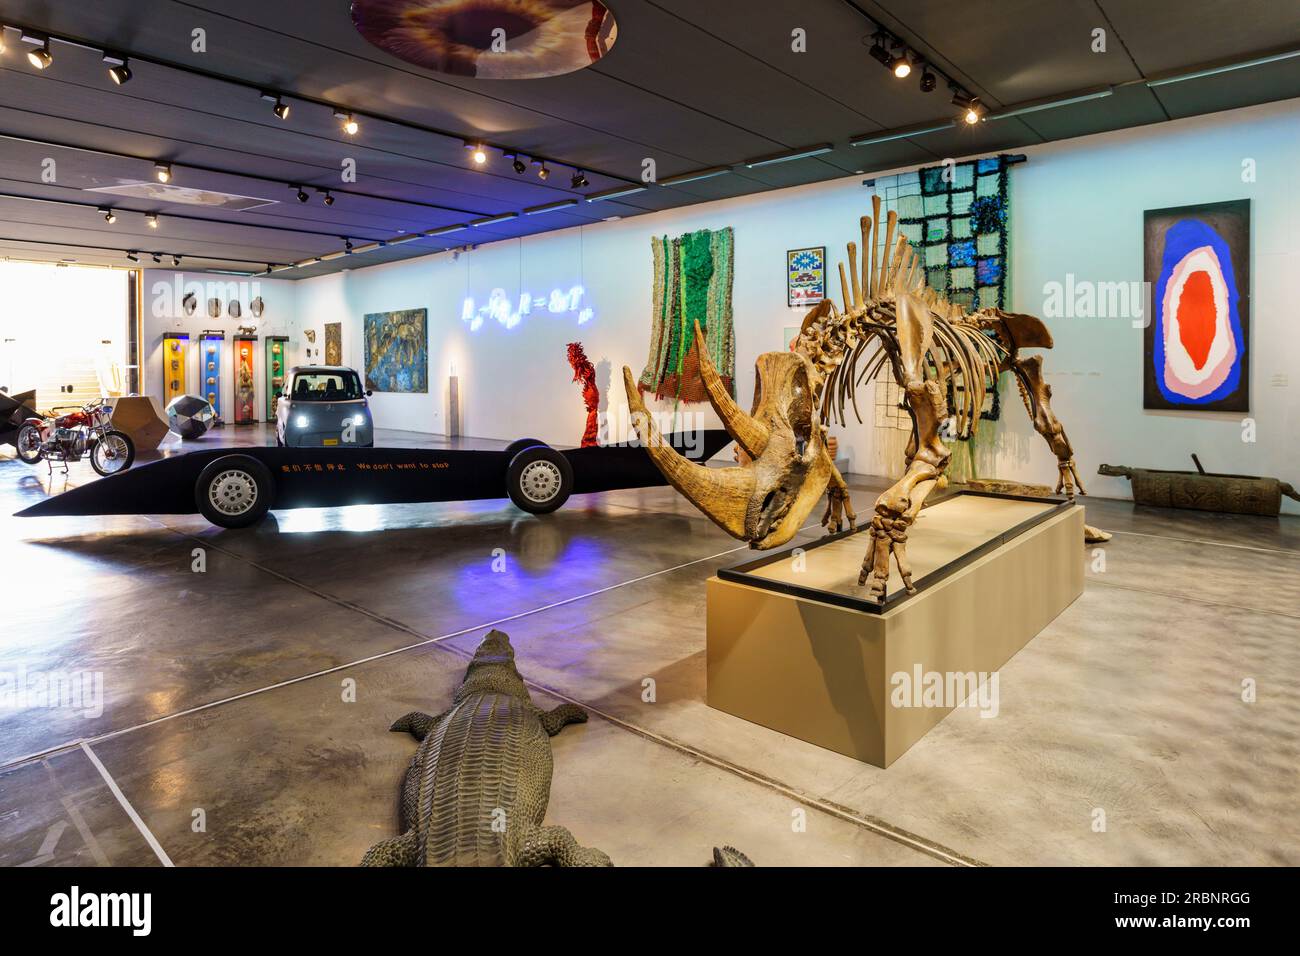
point(928, 81)
point(900, 66)
point(163, 171)
point(118, 71)
point(543, 172)
point(519, 165)
point(480, 152)
point(152, 220)
point(329, 200)
point(347, 121)
point(157, 258)
point(579, 180)
point(41, 57)
point(280, 109)
point(176, 261)
point(133, 256)
point(110, 217)
point(974, 112)
point(302, 194)
point(347, 245)
point(878, 51)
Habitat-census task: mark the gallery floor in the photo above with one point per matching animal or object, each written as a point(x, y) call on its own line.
point(230, 730)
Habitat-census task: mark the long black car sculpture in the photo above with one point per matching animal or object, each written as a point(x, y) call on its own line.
point(235, 487)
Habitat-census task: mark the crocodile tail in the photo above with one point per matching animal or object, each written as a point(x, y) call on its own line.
point(730, 856)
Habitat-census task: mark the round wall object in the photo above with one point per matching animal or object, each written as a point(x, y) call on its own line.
point(214, 308)
point(190, 303)
point(256, 307)
point(234, 310)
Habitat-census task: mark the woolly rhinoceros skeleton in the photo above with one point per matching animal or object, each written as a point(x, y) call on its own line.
point(890, 321)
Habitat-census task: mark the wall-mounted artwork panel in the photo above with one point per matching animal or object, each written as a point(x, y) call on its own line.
point(1196, 348)
point(397, 351)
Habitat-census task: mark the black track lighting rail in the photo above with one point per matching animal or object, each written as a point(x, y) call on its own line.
point(282, 96)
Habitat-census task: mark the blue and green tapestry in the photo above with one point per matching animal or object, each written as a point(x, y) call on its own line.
point(956, 218)
point(692, 283)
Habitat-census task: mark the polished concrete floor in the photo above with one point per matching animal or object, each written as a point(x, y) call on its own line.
point(245, 707)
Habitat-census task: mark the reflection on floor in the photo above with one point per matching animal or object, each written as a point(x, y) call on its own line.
point(248, 679)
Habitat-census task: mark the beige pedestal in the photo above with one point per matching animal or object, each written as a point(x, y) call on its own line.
point(843, 678)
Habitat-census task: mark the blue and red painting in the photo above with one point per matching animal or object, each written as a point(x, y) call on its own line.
point(1197, 342)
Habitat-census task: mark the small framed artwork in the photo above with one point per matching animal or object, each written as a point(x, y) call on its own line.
point(805, 276)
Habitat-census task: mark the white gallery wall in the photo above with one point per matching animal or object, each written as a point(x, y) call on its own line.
point(1076, 211)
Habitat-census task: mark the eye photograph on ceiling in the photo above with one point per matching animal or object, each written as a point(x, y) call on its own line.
point(647, 434)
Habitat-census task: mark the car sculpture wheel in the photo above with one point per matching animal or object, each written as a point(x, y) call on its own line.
point(233, 492)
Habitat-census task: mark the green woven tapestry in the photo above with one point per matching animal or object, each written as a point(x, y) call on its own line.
point(692, 284)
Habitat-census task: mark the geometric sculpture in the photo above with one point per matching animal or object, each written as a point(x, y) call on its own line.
point(190, 416)
point(141, 418)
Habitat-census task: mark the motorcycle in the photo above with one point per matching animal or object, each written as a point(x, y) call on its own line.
point(87, 430)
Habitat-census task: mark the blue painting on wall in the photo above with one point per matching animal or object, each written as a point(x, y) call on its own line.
point(397, 351)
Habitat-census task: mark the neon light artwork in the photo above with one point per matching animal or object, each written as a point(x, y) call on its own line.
point(507, 314)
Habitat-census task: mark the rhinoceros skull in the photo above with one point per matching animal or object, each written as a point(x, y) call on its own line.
point(784, 463)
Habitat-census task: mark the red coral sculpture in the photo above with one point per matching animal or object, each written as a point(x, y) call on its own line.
point(585, 373)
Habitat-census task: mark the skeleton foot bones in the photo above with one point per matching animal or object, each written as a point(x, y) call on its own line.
point(891, 324)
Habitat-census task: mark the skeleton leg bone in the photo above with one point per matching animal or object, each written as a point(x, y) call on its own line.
point(838, 506)
point(898, 506)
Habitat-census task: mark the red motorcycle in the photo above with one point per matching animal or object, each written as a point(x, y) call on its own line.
point(70, 437)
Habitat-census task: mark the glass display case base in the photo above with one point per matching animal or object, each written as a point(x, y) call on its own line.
point(793, 645)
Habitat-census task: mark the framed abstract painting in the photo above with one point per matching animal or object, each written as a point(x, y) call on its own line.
point(397, 351)
point(805, 276)
point(1197, 340)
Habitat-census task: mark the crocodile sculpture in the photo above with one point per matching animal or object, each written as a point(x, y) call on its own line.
point(476, 790)
point(945, 361)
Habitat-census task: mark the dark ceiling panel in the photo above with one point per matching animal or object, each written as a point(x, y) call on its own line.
point(1166, 35)
point(689, 84)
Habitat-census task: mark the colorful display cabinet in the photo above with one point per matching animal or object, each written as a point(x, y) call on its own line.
point(244, 391)
point(210, 347)
point(175, 353)
point(277, 358)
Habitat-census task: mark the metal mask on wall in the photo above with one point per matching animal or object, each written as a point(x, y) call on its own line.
point(256, 307)
point(214, 308)
point(190, 303)
point(234, 310)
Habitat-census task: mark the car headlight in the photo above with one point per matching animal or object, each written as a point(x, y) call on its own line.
point(357, 420)
point(301, 421)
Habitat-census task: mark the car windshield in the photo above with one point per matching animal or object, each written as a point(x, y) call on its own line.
point(339, 386)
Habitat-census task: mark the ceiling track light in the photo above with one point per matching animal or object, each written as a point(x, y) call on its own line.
point(163, 171)
point(347, 122)
point(302, 193)
point(517, 163)
point(118, 70)
point(39, 57)
point(879, 53)
point(152, 220)
point(279, 107)
point(133, 256)
point(900, 65)
point(329, 199)
point(928, 81)
point(176, 261)
point(479, 154)
point(579, 180)
point(542, 172)
point(974, 112)
point(110, 217)
point(157, 258)
point(347, 244)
